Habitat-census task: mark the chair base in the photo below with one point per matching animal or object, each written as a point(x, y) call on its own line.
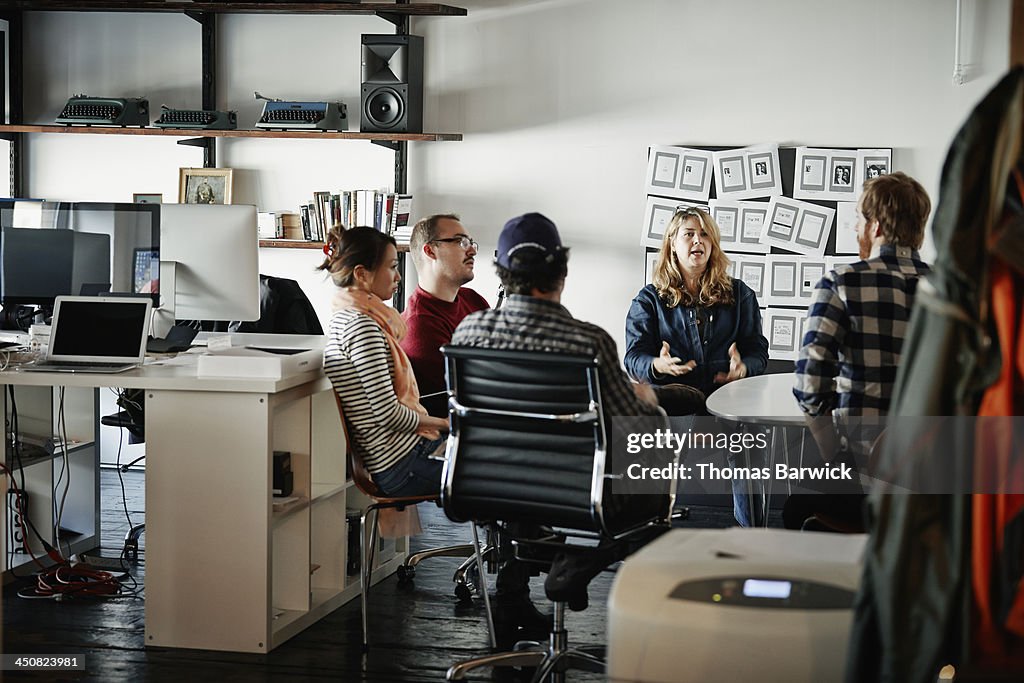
point(551, 660)
point(131, 542)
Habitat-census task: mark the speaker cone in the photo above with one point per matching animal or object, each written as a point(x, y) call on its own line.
point(384, 107)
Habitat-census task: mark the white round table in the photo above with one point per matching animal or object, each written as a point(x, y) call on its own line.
point(765, 400)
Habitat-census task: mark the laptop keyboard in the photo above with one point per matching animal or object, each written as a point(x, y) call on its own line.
point(80, 364)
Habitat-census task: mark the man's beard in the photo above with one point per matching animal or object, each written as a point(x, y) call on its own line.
point(864, 242)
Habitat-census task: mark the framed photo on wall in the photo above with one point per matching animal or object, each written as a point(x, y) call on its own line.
point(204, 185)
point(147, 198)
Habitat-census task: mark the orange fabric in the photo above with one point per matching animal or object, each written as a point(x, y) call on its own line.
point(390, 320)
point(994, 637)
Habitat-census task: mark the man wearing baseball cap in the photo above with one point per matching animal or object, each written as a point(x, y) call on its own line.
point(532, 265)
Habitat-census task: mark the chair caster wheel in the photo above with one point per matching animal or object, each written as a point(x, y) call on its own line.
point(405, 573)
point(464, 593)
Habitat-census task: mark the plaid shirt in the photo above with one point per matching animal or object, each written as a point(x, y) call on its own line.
point(526, 323)
point(855, 331)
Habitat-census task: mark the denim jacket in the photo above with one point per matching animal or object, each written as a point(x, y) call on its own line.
point(650, 322)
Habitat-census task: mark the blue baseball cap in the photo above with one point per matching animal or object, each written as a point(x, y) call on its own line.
point(529, 232)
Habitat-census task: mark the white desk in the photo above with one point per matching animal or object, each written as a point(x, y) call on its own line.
point(224, 569)
point(762, 400)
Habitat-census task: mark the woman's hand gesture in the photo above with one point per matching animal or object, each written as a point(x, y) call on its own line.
point(667, 364)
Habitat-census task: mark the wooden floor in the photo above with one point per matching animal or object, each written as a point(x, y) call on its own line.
point(416, 631)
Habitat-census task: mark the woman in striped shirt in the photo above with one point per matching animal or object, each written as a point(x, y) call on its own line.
point(388, 427)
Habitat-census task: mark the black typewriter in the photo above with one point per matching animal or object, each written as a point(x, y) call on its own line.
point(105, 111)
point(200, 119)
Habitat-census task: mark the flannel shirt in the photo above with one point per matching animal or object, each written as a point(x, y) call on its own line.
point(526, 323)
point(855, 331)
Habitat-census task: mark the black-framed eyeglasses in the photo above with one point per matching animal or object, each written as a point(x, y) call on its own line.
point(687, 210)
point(464, 242)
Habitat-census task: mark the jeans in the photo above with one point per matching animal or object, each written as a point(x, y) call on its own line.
point(414, 475)
point(743, 490)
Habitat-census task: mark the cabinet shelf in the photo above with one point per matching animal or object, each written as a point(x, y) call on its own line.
point(424, 9)
point(309, 244)
point(184, 132)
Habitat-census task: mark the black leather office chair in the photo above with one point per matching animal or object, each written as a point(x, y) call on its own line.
point(528, 446)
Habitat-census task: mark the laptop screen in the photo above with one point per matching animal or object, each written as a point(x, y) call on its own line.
point(99, 328)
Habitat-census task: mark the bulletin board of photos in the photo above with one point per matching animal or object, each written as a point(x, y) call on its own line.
point(787, 216)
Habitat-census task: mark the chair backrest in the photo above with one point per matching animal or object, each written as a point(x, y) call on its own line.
point(360, 475)
point(528, 442)
point(284, 309)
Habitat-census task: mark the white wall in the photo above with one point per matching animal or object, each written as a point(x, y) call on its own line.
point(557, 100)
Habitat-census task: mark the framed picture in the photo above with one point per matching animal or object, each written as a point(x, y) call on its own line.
point(841, 175)
point(204, 185)
point(760, 167)
point(147, 198)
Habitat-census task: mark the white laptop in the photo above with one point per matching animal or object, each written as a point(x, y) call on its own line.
point(103, 334)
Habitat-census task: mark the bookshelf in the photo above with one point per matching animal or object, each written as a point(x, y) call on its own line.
point(279, 134)
point(387, 10)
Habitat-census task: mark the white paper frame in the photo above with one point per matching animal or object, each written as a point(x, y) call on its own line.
point(783, 272)
point(745, 179)
point(783, 329)
point(815, 177)
point(753, 270)
point(727, 217)
point(846, 228)
point(842, 176)
point(869, 159)
point(650, 259)
point(747, 221)
point(679, 172)
point(798, 226)
point(658, 211)
point(809, 274)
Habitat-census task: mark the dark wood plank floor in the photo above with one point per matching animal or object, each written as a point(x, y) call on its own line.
point(417, 631)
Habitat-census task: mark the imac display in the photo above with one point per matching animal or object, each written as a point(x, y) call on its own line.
point(211, 254)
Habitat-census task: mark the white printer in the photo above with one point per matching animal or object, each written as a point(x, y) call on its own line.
point(732, 605)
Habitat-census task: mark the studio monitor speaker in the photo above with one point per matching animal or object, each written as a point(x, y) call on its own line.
point(392, 84)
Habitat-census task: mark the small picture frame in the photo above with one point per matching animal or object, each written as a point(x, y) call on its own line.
point(205, 185)
point(147, 198)
point(841, 175)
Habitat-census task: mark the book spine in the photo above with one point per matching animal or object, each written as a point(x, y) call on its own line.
point(304, 218)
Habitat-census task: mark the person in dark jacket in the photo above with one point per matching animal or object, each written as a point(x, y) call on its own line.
point(694, 325)
point(695, 328)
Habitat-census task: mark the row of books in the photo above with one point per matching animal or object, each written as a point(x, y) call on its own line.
point(386, 211)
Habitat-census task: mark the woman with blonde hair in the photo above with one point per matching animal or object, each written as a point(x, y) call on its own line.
point(694, 325)
point(695, 328)
point(371, 374)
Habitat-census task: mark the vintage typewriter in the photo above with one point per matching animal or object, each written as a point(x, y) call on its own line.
point(284, 115)
point(202, 119)
point(105, 111)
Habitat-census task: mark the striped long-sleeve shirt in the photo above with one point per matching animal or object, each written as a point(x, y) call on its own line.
point(359, 364)
point(855, 331)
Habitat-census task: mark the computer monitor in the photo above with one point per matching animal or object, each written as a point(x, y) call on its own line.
point(53, 248)
point(39, 264)
point(146, 278)
point(211, 253)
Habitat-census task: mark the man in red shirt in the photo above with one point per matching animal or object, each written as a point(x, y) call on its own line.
point(444, 254)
